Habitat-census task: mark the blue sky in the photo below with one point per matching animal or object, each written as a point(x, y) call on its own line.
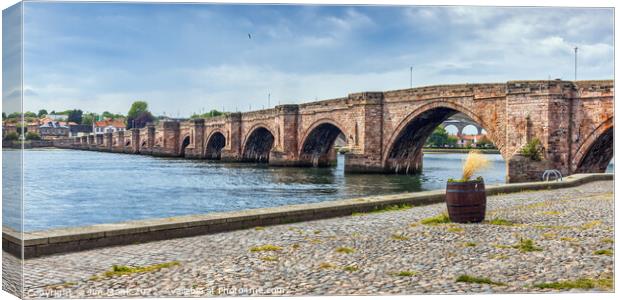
point(188, 58)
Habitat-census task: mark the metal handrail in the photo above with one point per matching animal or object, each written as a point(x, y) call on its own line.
point(557, 175)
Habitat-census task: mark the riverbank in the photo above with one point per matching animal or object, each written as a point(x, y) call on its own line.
point(386, 252)
point(27, 144)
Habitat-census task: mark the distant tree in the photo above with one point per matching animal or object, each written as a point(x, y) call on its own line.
point(438, 138)
point(15, 115)
point(452, 141)
point(210, 114)
point(138, 115)
point(136, 108)
point(75, 115)
point(141, 120)
point(3, 115)
point(484, 141)
point(11, 136)
point(88, 118)
point(30, 114)
point(53, 112)
point(107, 115)
point(32, 136)
point(42, 113)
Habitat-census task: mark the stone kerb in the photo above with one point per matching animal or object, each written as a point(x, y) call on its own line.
point(54, 241)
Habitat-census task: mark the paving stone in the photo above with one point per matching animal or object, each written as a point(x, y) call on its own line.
point(567, 224)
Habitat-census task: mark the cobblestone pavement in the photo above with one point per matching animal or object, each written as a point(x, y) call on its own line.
point(390, 253)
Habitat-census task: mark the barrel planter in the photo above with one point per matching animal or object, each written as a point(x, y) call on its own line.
point(466, 201)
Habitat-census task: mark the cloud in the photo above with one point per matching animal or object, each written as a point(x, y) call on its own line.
point(103, 57)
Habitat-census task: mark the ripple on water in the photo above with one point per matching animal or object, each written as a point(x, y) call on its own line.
point(74, 188)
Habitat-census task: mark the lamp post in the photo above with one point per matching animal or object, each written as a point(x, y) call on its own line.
point(411, 77)
point(576, 48)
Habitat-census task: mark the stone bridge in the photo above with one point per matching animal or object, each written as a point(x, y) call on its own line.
point(385, 131)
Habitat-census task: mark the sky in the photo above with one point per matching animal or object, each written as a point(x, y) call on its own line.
point(185, 59)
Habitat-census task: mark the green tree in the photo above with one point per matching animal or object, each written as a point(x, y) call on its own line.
point(452, 141)
point(75, 115)
point(30, 114)
point(210, 114)
point(88, 118)
point(107, 115)
point(438, 138)
point(19, 127)
point(42, 112)
point(136, 108)
point(484, 141)
point(533, 150)
point(32, 136)
point(11, 136)
point(3, 115)
point(138, 115)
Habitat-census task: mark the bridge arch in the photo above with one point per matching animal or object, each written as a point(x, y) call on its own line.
point(403, 151)
point(214, 145)
point(185, 141)
point(597, 150)
point(317, 142)
point(258, 144)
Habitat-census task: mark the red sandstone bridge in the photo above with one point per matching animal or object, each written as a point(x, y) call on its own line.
point(385, 131)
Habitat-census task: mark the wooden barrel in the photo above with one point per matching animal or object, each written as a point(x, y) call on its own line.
point(466, 201)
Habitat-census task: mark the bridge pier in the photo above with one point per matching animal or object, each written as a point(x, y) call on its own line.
point(196, 148)
point(107, 141)
point(135, 141)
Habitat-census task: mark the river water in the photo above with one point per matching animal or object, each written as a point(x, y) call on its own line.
point(75, 188)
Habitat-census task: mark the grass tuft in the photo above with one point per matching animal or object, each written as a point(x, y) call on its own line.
point(399, 237)
point(440, 219)
point(351, 268)
point(395, 207)
point(345, 250)
point(404, 273)
point(259, 228)
point(326, 266)
point(591, 224)
point(500, 222)
point(608, 240)
point(568, 239)
point(265, 248)
point(455, 229)
point(269, 258)
point(479, 280)
point(470, 244)
point(607, 252)
point(118, 270)
point(581, 283)
point(526, 246)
